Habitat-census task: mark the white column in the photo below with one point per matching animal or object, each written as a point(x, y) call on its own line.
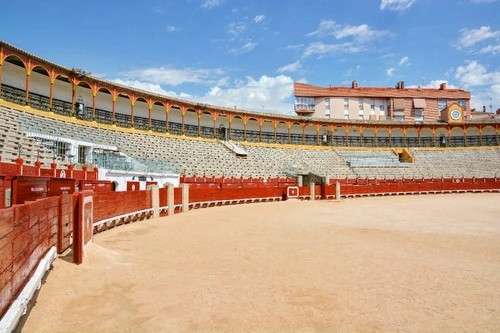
point(155, 199)
point(170, 199)
point(185, 197)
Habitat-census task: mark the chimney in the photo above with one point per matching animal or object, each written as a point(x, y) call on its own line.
point(400, 85)
point(354, 84)
point(442, 86)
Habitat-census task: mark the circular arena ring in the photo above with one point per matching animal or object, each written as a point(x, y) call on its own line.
point(380, 264)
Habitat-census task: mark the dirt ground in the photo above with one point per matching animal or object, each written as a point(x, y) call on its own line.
point(386, 264)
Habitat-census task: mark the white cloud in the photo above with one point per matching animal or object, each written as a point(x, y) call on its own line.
point(493, 49)
point(351, 72)
point(236, 28)
point(484, 85)
point(268, 94)
point(320, 48)
point(209, 4)
point(294, 66)
point(396, 5)
point(243, 49)
point(404, 61)
point(360, 33)
point(434, 84)
point(470, 37)
point(259, 18)
point(294, 47)
point(151, 87)
point(174, 76)
point(354, 38)
point(475, 74)
point(486, 97)
point(171, 28)
point(390, 71)
point(483, 1)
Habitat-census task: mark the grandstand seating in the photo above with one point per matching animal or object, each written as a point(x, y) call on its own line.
point(14, 143)
point(153, 152)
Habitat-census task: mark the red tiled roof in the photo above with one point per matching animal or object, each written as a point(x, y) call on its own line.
point(306, 90)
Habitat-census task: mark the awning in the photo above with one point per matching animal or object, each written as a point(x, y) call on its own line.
point(419, 103)
point(399, 104)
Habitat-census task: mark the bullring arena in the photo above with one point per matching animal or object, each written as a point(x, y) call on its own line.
point(308, 266)
point(122, 210)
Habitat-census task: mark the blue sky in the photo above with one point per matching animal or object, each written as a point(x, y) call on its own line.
point(248, 53)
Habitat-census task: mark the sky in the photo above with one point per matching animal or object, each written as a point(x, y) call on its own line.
point(247, 53)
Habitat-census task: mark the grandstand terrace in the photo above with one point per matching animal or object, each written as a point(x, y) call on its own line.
point(66, 114)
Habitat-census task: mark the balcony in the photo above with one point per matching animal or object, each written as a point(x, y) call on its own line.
point(304, 110)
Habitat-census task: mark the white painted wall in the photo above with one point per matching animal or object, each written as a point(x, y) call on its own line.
point(13, 75)
point(141, 109)
point(39, 84)
point(62, 90)
point(121, 177)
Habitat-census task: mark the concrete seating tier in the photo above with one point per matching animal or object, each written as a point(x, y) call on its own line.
point(160, 153)
point(14, 143)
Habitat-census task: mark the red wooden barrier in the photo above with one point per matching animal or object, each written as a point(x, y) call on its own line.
point(65, 223)
point(20, 169)
point(422, 186)
point(203, 195)
point(83, 225)
point(60, 186)
point(163, 196)
point(133, 186)
point(95, 185)
point(2, 191)
point(26, 233)
point(110, 204)
point(26, 188)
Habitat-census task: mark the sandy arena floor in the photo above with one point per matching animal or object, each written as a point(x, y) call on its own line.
point(385, 264)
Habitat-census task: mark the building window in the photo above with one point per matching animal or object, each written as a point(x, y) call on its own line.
point(304, 103)
point(399, 117)
point(346, 116)
point(419, 114)
point(360, 104)
point(462, 103)
point(361, 116)
point(442, 104)
point(372, 107)
point(327, 107)
point(382, 109)
point(346, 104)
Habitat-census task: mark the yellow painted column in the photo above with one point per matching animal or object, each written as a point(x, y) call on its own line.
point(132, 107)
point(94, 95)
point(113, 108)
point(28, 72)
point(183, 117)
point(51, 93)
point(245, 129)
